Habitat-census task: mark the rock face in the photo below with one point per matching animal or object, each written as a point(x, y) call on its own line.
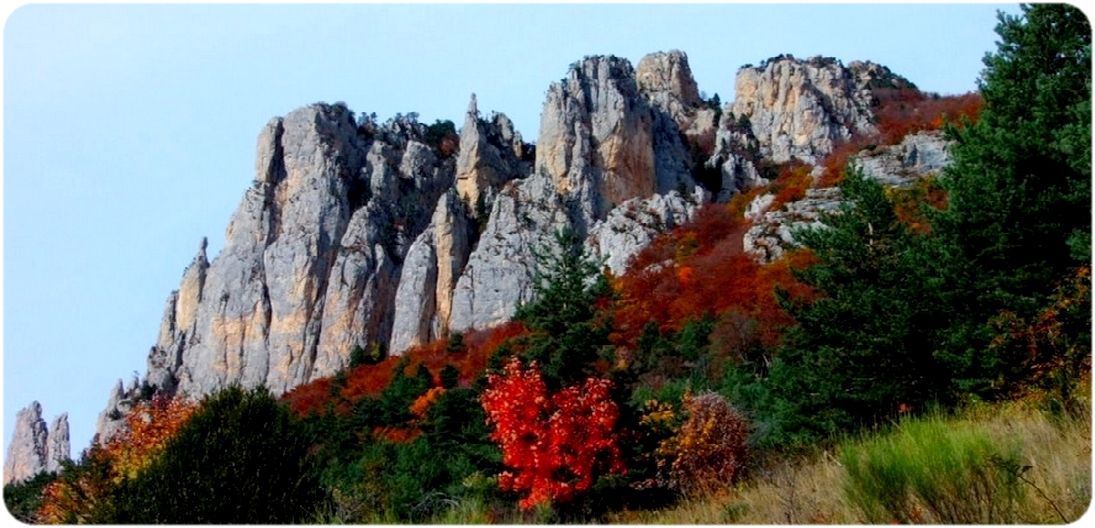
point(33, 448)
point(59, 443)
point(356, 233)
point(803, 108)
point(598, 140)
point(605, 139)
point(491, 153)
point(311, 258)
point(633, 225)
point(735, 158)
point(423, 302)
point(665, 79)
point(498, 275)
point(900, 165)
point(360, 234)
point(773, 231)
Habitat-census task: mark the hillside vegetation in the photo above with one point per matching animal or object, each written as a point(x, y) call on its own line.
point(924, 358)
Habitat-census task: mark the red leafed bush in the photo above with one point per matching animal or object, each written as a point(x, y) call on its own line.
point(557, 445)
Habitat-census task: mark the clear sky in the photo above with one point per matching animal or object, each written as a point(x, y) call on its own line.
point(129, 131)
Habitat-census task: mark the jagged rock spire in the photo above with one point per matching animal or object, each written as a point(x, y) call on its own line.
point(33, 448)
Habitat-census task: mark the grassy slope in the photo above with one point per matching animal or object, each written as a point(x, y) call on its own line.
point(811, 489)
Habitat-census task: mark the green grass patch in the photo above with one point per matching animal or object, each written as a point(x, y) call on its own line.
point(933, 470)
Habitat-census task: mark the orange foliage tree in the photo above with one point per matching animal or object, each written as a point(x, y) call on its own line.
point(78, 493)
point(710, 447)
point(555, 444)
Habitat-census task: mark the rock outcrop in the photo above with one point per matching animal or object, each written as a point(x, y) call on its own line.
point(604, 140)
point(34, 448)
point(900, 165)
point(917, 156)
point(491, 154)
point(423, 301)
point(735, 158)
point(772, 232)
point(633, 225)
point(665, 79)
point(790, 109)
point(800, 109)
point(311, 258)
point(498, 275)
point(356, 233)
point(59, 448)
point(598, 141)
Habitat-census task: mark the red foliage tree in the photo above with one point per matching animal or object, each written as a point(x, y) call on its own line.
point(557, 445)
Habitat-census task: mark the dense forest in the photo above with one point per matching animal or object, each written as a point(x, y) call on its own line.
point(925, 357)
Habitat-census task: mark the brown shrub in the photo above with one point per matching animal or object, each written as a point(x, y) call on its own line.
point(709, 450)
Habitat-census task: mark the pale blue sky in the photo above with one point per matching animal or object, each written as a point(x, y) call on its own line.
point(129, 131)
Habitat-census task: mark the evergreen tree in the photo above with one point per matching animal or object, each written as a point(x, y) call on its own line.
point(863, 347)
point(567, 335)
point(1018, 217)
point(239, 459)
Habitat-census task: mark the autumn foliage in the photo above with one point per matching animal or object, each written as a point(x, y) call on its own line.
point(150, 425)
point(899, 113)
point(555, 445)
point(700, 268)
point(370, 380)
point(709, 449)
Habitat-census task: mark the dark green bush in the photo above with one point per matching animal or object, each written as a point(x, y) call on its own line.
point(239, 459)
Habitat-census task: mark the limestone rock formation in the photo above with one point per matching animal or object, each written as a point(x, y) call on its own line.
point(33, 447)
point(802, 108)
point(900, 165)
point(773, 231)
point(112, 419)
point(311, 256)
point(491, 153)
point(599, 142)
point(735, 158)
point(423, 301)
point(665, 79)
point(59, 449)
point(603, 141)
point(633, 225)
point(360, 233)
point(498, 275)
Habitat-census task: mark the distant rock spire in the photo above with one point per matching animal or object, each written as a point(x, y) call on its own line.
point(33, 450)
point(59, 444)
point(473, 106)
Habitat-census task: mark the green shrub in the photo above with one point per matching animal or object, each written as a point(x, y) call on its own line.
point(239, 459)
point(930, 470)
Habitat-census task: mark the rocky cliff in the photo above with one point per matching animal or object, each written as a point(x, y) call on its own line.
point(357, 233)
point(34, 447)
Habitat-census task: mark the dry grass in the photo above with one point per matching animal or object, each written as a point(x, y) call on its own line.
point(1057, 486)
